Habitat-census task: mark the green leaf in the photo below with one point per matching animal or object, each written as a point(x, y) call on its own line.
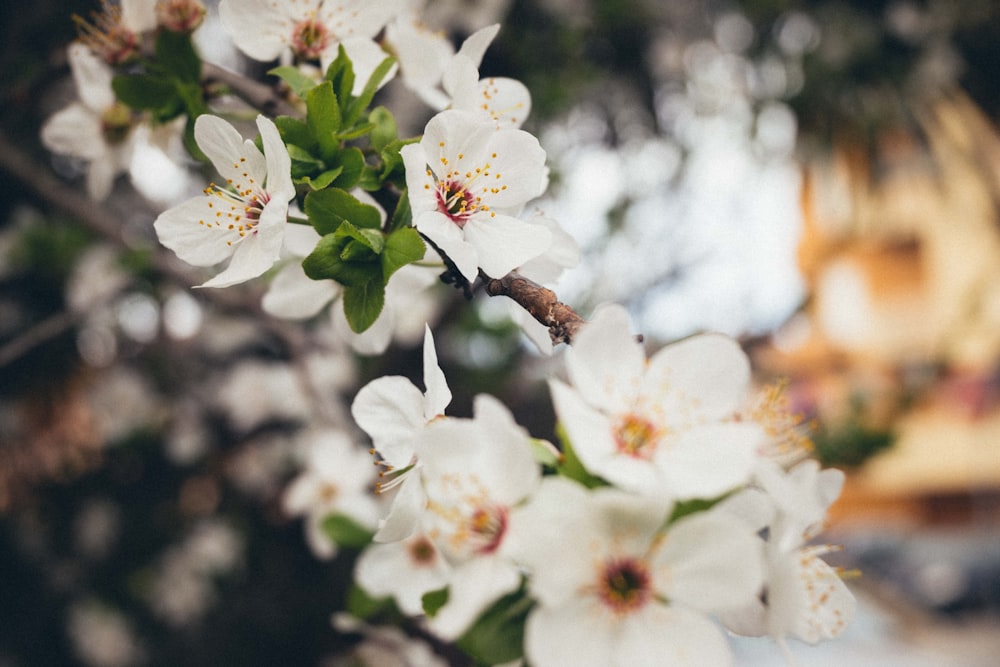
point(296, 80)
point(302, 156)
point(392, 161)
point(385, 129)
point(571, 466)
point(194, 101)
point(323, 180)
point(327, 209)
point(360, 103)
point(353, 162)
point(687, 507)
point(363, 303)
point(346, 532)
point(295, 131)
point(323, 118)
point(369, 238)
point(340, 73)
point(401, 247)
point(355, 132)
point(176, 54)
point(145, 91)
point(369, 179)
point(498, 635)
point(362, 605)
point(325, 263)
point(434, 600)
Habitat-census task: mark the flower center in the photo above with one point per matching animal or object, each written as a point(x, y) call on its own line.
point(624, 585)
point(636, 436)
point(422, 552)
point(116, 122)
point(235, 212)
point(487, 527)
point(107, 36)
point(455, 201)
point(309, 38)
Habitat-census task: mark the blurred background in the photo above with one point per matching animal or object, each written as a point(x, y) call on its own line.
point(819, 178)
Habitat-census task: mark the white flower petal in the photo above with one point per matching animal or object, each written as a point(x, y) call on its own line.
point(606, 362)
point(294, 295)
point(708, 373)
point(278, 162)
point(407, 507)
point(390, 410)
point(259, 28)
point(709, 460)
point(236, 160)
point(475, 45)
point(571, 634)
point(76, 131)
point(92, 77)
point(437, 395)
point(503, 243)
point(180, 229)
point(473, 586)
point(714, 562)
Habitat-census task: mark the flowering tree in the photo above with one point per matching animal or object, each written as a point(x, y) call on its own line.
point(673, 509)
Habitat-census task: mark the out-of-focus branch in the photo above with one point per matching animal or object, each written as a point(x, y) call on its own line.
point(261, 96)
point(543, 304)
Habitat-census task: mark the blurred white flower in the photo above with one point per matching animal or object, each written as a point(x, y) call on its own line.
point(103, 637)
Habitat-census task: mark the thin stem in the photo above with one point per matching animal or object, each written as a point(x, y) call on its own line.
point(261, 96)
point(542, 303)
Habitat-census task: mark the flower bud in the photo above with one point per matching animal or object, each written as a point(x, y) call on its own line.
point(180, 15)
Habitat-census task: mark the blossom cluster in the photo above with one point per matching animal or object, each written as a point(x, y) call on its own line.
point(675, 508)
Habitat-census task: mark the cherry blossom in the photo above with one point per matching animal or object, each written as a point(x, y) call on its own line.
point(393, 412)
point(467, 181)
point(665, 426)
point(97, 128)
point(309, 29)
point(246, 218)
point(616, 589)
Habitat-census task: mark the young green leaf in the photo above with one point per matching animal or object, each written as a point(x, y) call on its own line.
point(369, 238)
point(433, 601)
point(325, 262)
point(328, 208)
point(176, 55)
point(385, 129)
point(401, 247)
point(321, 181)
point(296, 80)
point(363, 303)
point(323, 118)
point(295, 131)
point(402, 217)
point(353, 162)
point(145, 91)
point(360, 103)
point(340, 73)
point(498, 635)
point(346, 532)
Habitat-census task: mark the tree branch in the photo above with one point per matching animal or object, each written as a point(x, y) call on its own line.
point(542, 303)
point(261, 96)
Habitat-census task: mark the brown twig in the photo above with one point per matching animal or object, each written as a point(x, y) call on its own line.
point(261, 96)
point(542, 303)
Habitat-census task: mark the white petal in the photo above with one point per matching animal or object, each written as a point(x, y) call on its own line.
point(231, 156)
point(517, 161)
point(260, 28)
point(75, 131)
point(606, 362)
point(419, 185)
point(437, 395)
point(709, 373)
point(92, 77)
point(139, 15)
point(714, 562)
point(407, 506)
point(661, 635)
point(571, 634)
point(503, 243)
point(475, 45)
point(387, 569)
point(258, 251)
point(294, 295)
point(390, 410)
point(473, 586)
point(180, 229)
point(446, 235)
point(279, 164)
point(709, 460)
